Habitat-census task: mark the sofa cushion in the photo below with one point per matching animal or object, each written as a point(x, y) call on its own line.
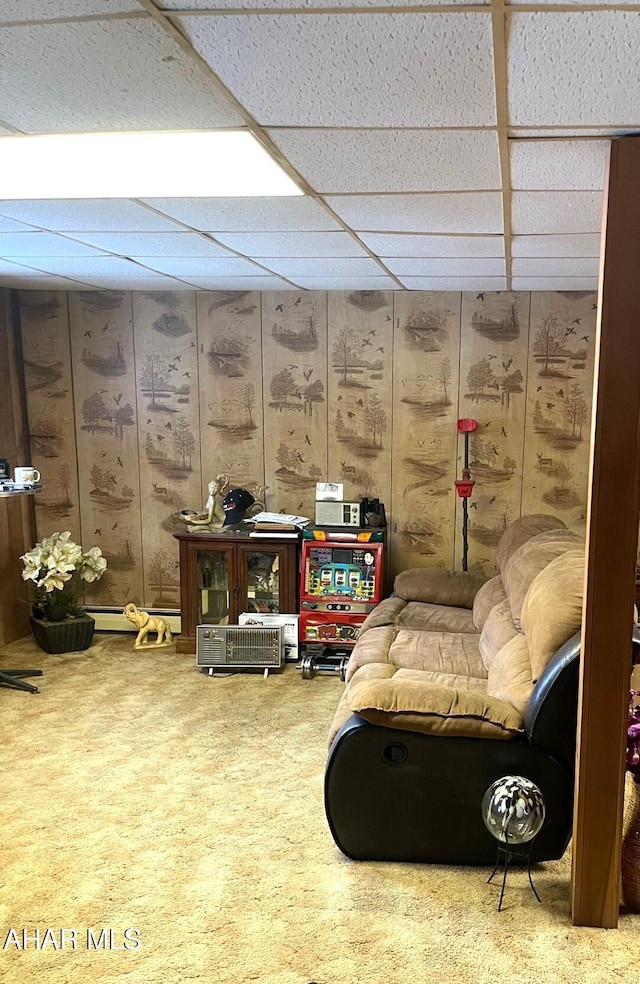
point(552, 608)
point(490, 594)
point(510, 674)
point(406, 703)
point(529, 559)
point(442, 652)
point(520, 531)
point(498, 630)
point(435, 618)
point(438, 586)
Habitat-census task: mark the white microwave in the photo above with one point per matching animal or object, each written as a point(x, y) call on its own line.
point(337, 513)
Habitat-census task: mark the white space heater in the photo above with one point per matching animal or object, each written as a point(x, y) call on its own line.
point(239, 647)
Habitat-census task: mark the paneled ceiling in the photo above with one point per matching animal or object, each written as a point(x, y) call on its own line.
point(440, 146)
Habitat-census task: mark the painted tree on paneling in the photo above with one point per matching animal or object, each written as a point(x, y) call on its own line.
point(294, 344)
point(107, 439)
point(230, 386)
point(44, 318)
point(425, 382)
point(164, 326)
point(360, 332)
point(493, 360)
point(560, 376)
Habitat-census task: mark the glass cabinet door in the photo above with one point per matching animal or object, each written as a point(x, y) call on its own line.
point(212, 572)
point(262, 578)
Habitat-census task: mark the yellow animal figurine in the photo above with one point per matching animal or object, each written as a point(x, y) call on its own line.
point(148, 623)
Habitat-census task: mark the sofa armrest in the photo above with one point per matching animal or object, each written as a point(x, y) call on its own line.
point(410, 705)
point(456, 589)
point(385, 613)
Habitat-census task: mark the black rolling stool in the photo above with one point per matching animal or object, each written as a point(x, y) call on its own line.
point(13, 678)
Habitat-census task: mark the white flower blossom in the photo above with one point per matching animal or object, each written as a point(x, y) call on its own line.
point(50, 566)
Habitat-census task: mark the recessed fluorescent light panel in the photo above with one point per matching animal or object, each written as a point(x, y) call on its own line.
point(189, 164)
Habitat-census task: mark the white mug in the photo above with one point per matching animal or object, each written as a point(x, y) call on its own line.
point(26, 475)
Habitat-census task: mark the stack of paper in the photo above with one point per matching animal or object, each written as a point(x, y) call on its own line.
point(280, 519)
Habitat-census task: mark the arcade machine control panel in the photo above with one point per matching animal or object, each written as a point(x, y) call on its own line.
point(341, 581)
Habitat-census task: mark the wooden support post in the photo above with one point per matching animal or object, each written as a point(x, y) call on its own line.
point(612, 537)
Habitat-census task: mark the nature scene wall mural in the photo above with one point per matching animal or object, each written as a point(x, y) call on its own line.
point(136, 401)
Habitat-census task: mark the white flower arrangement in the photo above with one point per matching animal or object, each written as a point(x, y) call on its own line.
point(56, 566)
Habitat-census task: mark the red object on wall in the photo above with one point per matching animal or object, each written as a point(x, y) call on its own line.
point(464, 485)
point(464, 489)
point(467, 424)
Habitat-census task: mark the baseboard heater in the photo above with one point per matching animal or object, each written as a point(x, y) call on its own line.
point(112, 619)
point(239, 647)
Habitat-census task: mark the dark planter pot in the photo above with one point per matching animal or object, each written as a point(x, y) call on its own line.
point(69, 636)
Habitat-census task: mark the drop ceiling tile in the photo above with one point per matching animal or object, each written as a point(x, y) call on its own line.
point(148, 284)
point(568, 69)
point(88, 215)
point(393, 160)
point(241, 283)
point(35, 244)
point(554, 283)
point(454, 283)
point(464, 212)
point(520, 132)
point(13, 267)
point(558, 164)
point(556, 212)
point(104, 75)
point(396, 244)
point(305, 4)
point(563, 266)
point(323, 267)
point(247, 214)
point(42, 282)
point(151, 244)
point(10, 225)
point(587, 244)
point(294, 244)
point(446, 267)
point(35, 10)
point(389, 69)
point(346, 283)
point(189, 267)
point(595, 3)
point(81, 267)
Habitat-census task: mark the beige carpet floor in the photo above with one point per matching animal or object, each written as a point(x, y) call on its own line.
point(139, 794)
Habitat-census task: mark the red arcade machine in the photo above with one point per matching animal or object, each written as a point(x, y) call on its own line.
point(341, 576)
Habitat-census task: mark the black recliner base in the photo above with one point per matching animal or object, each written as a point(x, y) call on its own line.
point(394, 795)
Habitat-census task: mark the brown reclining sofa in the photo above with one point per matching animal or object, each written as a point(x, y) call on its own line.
point(454, 682)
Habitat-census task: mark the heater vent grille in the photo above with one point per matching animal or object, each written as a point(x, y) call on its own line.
point(239, 646)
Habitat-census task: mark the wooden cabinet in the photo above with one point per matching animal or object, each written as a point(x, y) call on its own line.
point(224, 574)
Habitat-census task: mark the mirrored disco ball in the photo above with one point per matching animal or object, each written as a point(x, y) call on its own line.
point(513, 808)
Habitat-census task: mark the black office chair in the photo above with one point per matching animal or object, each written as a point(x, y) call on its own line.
point(13, 678)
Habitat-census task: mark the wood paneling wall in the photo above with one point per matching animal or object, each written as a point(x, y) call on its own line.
point(137, 401)
point(17, 518)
